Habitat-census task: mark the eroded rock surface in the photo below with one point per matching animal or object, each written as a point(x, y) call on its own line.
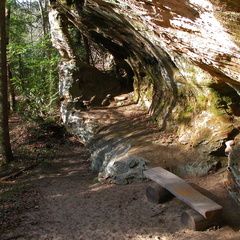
point(181, 56)
point(233, 181)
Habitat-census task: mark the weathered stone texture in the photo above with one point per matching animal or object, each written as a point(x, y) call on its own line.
point(183, 55)
point(233, 181)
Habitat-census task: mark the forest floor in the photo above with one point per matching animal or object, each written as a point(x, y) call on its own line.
point(50, 192)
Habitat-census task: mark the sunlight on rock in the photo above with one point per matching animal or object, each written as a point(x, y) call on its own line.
point(178, 60)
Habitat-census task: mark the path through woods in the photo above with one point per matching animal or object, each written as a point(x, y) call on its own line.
point(60, 199)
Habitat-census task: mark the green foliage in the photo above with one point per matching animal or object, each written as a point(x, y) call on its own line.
point(33, 62)
point(78, 42)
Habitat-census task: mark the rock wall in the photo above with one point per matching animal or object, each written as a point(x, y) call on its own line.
point(182, 55)
point(233, 180)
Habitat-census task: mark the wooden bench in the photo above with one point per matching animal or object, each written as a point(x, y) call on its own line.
point(206, 212)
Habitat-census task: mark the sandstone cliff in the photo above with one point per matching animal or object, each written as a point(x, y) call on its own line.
point(181, 56)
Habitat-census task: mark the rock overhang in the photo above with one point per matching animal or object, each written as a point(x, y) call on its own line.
point(178, 51)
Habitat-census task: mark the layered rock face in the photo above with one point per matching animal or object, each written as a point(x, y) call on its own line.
point(233, 181)
point(183, 57)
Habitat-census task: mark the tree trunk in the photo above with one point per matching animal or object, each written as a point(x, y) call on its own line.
point(9, 76)
point(4, 128)
point(44, 15)
point(11, 90)
point(42, 12)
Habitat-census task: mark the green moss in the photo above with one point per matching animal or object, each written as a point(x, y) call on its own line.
point(221, 102)
point(63, 2)
point(202, 102)
point(183, 113)
point(184, 117)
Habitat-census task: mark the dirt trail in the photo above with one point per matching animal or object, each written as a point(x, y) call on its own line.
point(71, 206)
point(63, 201)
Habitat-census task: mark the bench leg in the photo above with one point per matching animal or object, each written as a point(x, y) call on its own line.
point(195, 221)
point(157, 194)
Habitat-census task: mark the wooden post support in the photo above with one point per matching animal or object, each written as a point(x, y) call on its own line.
point(182, 190)
point(193, 220)
point(157, 194)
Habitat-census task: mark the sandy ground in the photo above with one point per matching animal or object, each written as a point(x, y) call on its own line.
point(60, 199)
point(70, 204)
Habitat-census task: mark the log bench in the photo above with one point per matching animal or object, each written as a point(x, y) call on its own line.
point(205, 212)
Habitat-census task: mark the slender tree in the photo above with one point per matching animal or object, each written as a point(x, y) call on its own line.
point(11, 85)
point(43, 4)
point(4, 107)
